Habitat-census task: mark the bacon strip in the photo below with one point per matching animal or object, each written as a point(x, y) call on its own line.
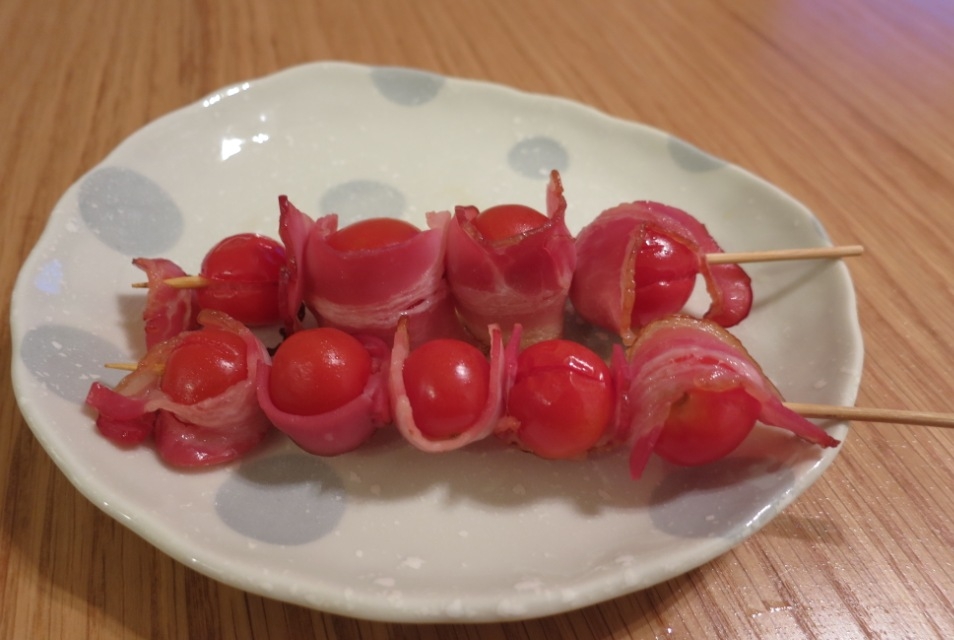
point(502, 361)
point(681, 353)
point(168, 311)
point(212, 431)
point(603, 290)
point(366, 291)
point(523, 280)
point(345, 428)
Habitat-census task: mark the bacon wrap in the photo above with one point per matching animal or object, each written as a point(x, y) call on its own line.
point(342, 429)
point(603, 289)
point(366, 291)
point(293, 229)
point(169, 311)
point(502, 362)
point(679, 353)
point(522, 280)
point(212, 431)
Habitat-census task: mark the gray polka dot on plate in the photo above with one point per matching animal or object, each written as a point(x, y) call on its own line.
point(129, 212)
point(67, 360)
point(536, 157)
point(692, 158)
point(406, 87)
point(286, 499)
point(362, 199)
point(708, 501)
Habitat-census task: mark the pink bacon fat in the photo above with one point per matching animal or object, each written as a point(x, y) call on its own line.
point(603, 290)
point(502, 361)
point(524, 279)
point(168, 311)
point(294, 227)
point(212, 431)
point(345, 428)
point(680, 353)
point(366, 291)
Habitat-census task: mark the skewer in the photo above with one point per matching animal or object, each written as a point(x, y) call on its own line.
point(181, 282)
point(774, 255)
point(807, 410)
point(896, 416)
point(771, 255)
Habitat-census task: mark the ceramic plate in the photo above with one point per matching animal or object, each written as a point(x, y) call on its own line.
point(388, 533)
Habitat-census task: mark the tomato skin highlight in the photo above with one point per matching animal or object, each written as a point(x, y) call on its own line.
point(706, 425)
point(318, 370)
point(562, 397)
point(242, 272)
point(664, 277)
point(372, 233)
point(203, 365)
point(447, 385)
point(508, 220)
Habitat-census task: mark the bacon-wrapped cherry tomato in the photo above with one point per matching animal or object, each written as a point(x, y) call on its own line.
point(562, 398)
point(203, 365)
point(664, 275)
point(447, 385)
point(372, 233)
point(318, 370)
point(706, 425)
point(508, 220)
point(242, 273)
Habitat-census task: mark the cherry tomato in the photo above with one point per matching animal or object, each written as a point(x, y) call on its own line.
point(203, 365)
point(243, 272)
point(705, 425)
point(508, 220)
point(563, 398)
point(373, 233)
point(318, 370)
point(447, 384)
point(665, 275)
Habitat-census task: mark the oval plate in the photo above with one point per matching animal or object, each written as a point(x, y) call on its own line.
point(388, 533)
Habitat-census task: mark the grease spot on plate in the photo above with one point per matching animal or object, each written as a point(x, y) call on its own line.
point(286, 499)
point(129, 212)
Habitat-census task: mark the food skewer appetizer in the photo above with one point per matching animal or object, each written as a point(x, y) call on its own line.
point(362, 278)
point(511, 264)
point(194, 394)
point(239, 276)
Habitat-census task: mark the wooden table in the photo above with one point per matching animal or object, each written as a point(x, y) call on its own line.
point(848, 106)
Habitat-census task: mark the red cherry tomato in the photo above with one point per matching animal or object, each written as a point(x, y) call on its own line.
point(318, 370)
point(665, 275)
point(704, 426)
point(243, 272)
point(508, 220)
point(447, 384)
point(203, 365)
point(373, 233)
point(563, 398)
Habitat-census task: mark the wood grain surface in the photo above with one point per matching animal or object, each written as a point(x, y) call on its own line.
point(847, 105)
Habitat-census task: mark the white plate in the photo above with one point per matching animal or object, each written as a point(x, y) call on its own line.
point(388, 533)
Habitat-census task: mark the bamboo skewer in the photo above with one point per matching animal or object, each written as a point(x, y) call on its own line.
point(180, 282)
point(862, 414)
point(773, 255)
point(807, 410)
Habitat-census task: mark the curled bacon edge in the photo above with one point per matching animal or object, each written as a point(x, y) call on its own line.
point(680, 353)
point(603, 289)
point(212, 431)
